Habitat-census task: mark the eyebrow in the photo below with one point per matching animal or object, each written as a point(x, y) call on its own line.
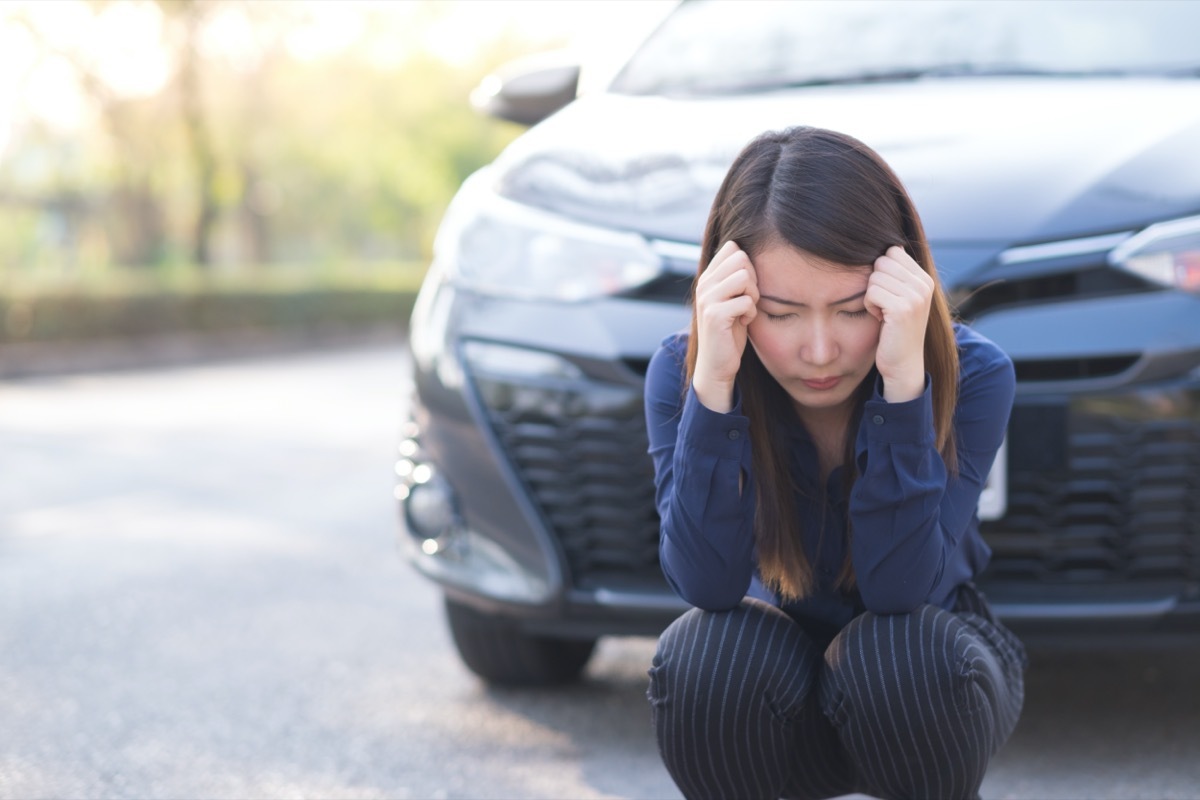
point(781, 301)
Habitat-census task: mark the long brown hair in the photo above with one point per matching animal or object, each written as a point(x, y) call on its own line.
point(833, 197)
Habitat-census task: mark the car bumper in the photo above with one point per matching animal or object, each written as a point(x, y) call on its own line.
point(541, 440)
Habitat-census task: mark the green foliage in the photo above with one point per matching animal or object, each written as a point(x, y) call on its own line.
point(324, 178)
point(85, 317)
point(18, 236)
point(344, 158)
point(130, 304)
point(377, 159)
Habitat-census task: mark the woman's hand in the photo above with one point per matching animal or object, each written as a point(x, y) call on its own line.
point(726, 302)
point(899, 293)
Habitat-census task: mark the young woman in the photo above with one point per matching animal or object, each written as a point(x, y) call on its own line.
point(820, 440)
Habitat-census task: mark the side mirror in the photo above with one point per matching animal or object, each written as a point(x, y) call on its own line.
point(528, 90)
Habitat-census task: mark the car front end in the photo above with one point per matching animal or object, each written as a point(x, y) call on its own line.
point(1063, 212)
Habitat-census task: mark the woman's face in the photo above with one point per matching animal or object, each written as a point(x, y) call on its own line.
point(812, 332)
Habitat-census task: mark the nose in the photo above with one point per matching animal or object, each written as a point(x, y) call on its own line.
point(821, 347)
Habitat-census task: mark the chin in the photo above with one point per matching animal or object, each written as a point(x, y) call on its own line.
point(810, 398)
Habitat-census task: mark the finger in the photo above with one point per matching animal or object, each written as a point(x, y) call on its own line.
point(899, 307)
point(897, 261)
point(733, 264)
point(724, 250)
point(748, 317)
point(889, 295)
point(734, 284)
point(872, 304)
point(726, 314)
point(898, 286)
point(752, 282)
point(721, 261)
point(902, 256)
point(718, 257)
point(745, 309)
point(753, 272)
point(899, 267)
point(900, 280)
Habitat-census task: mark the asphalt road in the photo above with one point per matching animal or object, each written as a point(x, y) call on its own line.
point(200, 597)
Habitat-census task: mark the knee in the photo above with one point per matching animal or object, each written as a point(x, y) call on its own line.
point(754, 648)
point(919, 659)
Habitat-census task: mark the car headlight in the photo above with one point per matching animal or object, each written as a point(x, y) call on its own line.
point(494, 246)
point(1166, 253)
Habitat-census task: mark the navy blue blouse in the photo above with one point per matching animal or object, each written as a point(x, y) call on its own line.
point(916, 533)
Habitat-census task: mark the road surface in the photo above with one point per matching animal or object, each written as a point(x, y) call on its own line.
point(200, 597)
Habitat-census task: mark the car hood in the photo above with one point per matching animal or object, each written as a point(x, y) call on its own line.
point(988, 161)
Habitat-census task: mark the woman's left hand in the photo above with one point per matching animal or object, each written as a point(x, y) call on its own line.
point(898, 294)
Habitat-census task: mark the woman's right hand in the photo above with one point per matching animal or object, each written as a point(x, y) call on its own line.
point(726, 302)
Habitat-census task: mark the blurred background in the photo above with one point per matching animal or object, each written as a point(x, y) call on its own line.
point(199, 589)
point(275, 163)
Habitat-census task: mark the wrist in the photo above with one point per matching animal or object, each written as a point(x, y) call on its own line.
point(714, 395)
point(904, 388)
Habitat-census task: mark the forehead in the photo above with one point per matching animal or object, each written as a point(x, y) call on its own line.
point(791, 274)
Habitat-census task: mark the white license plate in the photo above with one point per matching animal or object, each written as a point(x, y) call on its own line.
point(993, 502)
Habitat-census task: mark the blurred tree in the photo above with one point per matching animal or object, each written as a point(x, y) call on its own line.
point(188, 17)
point(249, 150)
point(132, 210)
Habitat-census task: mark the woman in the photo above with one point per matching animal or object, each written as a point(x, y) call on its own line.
point(820, 440)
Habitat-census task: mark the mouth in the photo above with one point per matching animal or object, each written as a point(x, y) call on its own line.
point(824, 384)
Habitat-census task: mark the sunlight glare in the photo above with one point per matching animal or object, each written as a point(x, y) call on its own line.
point(120, 44)
point(330, 28)
point(125, 49)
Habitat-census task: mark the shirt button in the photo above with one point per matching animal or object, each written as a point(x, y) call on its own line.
point(734, 434)
point(877, 419)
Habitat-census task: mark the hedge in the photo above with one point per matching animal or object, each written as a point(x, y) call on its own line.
point(80, 316)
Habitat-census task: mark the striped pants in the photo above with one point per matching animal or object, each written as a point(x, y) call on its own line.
point(746, 704)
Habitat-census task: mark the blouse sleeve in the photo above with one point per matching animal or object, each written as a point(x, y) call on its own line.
point(907, 513)
point(706, 544)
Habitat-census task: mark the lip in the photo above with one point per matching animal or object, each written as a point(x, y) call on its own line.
point(824, 384)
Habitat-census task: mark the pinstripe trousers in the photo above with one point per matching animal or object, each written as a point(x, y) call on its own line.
point(747, 704)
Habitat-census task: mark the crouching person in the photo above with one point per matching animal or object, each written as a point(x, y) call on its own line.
point(821, 436)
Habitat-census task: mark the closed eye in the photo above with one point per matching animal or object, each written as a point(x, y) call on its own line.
point(855, 314)
point(778, 317)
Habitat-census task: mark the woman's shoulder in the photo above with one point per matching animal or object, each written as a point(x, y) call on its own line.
point(668, 365)
point(980, 358)
point(671, 355)
point(978, 353)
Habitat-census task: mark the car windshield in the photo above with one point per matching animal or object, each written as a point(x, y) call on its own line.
point(715, 47)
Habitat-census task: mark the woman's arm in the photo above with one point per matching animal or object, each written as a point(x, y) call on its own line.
point(909, 515)
point(706, 544)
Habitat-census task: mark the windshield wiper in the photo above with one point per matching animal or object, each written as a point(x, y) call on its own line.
point(955, 70)
point(770, 84)
point(1189, 71)
point(1019, 71)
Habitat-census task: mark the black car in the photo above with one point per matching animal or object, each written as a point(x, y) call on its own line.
point(1053, 150)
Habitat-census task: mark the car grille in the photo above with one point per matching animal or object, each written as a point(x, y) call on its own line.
point(1087, 281)
point(1104, 492)
point(1107, 494)
point(580, 451)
